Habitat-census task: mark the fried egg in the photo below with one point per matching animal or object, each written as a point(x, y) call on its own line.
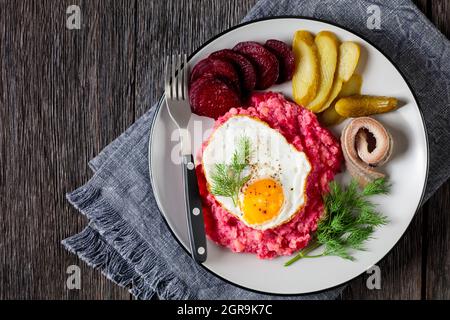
point(275, 190)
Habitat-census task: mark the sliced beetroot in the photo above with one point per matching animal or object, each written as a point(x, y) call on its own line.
point(285, 58)
point(217, 68)
point(265, 62)
point(243, 66)
point(212, 97)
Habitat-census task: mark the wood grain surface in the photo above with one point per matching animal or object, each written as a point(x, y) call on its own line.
point(65, 94)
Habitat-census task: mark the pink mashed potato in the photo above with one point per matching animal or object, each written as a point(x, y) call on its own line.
point(301, 129)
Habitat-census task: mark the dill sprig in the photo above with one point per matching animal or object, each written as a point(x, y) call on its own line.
point(227, 179)
point(349, 220)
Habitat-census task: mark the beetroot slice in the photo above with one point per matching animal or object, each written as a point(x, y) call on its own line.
point(285, 57)
point(265, 62)
point(243, 65)
point(212, 97)
point(217, 68)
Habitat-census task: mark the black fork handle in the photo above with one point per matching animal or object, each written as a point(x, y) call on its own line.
point(196, 226)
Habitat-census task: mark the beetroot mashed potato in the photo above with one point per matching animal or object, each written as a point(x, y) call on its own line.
point(301, 129)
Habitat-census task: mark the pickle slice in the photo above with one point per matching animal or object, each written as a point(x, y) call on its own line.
point(330, 117)
point(348, 59)
point(327, 46)
point(305, 81)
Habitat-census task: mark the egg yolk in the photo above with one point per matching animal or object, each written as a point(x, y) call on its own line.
point(262, 201)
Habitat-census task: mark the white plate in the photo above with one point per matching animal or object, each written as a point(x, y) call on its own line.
point(407, 170)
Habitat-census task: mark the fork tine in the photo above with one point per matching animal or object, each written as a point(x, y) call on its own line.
point(167, 78)
point(174, 82)
point(185, 77)
point(177, 77)
point(180, 78)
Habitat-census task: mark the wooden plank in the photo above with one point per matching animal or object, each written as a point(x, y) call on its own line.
point(401, 270)
point(96, 70)
point(437, 238)
point(438, 245)
point(164, 27)
point(440, 12)
point(424, 6)
point(65, 95)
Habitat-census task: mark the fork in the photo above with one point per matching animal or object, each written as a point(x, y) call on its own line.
point(176, 96)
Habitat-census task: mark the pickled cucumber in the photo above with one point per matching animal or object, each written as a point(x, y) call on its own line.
point(364, 105)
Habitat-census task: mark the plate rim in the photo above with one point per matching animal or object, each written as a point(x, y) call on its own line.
point(296, 17)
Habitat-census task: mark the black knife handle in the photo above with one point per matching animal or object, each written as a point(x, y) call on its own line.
point(194, 213)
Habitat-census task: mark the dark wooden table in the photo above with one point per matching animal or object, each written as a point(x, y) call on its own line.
point(65, 94)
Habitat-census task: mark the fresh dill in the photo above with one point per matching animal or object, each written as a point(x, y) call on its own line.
point(227, 179)
point(349, 220)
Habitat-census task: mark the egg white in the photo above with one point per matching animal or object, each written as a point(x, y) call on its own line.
point(272, 156)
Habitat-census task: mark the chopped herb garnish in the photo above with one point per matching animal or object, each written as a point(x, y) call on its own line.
point(349, 220)
point(227, 179)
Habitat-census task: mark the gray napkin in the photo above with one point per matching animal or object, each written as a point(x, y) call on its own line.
point(126, 237)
